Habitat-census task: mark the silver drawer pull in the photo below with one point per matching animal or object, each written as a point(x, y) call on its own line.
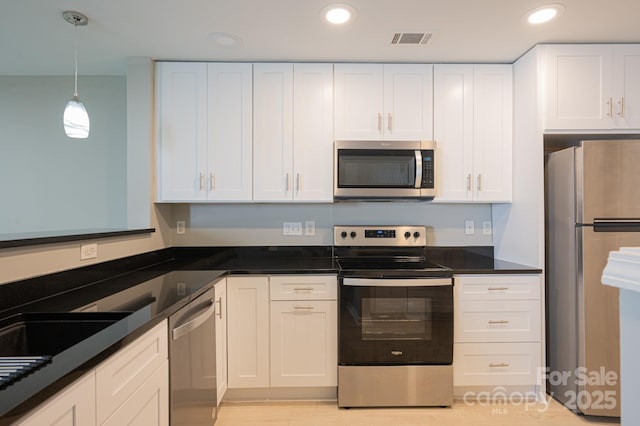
point(303, 289)
point(498, 322)
point(501, 365)
point(498, 288)
point(303, 308)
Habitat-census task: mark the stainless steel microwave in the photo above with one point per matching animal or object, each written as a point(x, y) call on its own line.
point(384, 170)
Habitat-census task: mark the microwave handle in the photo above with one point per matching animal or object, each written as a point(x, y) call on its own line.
point(418, 182)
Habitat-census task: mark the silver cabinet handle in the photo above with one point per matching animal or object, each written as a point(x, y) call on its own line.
point(379, 123)
point(298, 185)
point(479, 182)
point(390, 122)
point(469, 182)
point(212, 182)
point(502, 364)
point(297, 289)
point(201, 181)
point(498, 288)
point(498, 322)
point(196, 322)
point(286, 182)
point(621, 103)
point(610, 105)
point(303, 308)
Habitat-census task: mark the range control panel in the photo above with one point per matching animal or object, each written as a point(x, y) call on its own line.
point(398, 236)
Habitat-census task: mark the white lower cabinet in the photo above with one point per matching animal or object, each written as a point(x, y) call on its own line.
point(248, 331)
point(74, 406)
point(304, 343)
point(497, 332)
point(147, 405)
point(282, 331)
point(130, 387)
point(221, 338)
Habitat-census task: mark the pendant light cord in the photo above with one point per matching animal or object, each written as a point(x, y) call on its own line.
point(75, 35)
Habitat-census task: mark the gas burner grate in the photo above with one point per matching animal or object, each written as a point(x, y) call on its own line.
point(14, 368)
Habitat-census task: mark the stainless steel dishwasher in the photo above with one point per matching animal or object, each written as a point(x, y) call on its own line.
point(192, 362)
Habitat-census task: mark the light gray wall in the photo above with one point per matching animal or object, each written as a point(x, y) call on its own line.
point(49, 182)
point(261, 224)
point(25, 262)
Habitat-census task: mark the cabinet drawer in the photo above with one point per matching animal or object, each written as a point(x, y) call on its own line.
point(118, 377)
point(303, 287)
point(497, 321)
point(496, 364)
point(497, 287)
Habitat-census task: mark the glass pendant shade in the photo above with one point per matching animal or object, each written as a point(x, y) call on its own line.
point(76, 119)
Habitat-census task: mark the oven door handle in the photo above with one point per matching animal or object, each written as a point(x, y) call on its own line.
point(392, 282)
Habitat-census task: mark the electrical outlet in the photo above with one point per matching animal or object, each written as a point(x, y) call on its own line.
point(486, 228)
point(310, 228)
point(292, 228)
point(88, 251)
point(469, 227)
point(181, 227)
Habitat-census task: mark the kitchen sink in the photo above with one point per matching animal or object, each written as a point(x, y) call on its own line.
point(30, 334)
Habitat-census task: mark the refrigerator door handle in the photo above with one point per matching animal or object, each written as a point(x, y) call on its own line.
point(616, 225)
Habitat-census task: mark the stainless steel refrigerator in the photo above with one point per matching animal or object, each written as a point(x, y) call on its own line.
point(593, 207)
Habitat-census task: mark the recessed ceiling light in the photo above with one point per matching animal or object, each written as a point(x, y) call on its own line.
point(545, 13)
point(338, 14)
point(227, 40)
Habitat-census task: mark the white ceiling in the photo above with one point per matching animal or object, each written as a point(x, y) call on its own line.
point(35, 40)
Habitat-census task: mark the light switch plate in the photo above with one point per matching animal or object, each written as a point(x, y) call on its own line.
point(310, 228)
point(292, 228)
point(469, 227)
point(88, 251)
point(486, 228)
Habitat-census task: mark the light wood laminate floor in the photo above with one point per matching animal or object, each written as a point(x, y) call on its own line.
point(328, 413)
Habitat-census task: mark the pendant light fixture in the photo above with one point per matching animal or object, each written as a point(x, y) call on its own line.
point(75, 118)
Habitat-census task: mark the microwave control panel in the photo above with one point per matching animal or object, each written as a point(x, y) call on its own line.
point(427, 168)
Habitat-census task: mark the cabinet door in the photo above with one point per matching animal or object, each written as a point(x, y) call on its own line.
point(74, 406)
point(579, 87)
point(148, 405)
point(313, 132)
point(273, 132)
point(248, 331)
point(119, 376)
point(626, 86)
point(182, 119)
point(304, 343)
point(229, 147)
point(221, 338)
point(408, 102)
point(453, 131)
point(492, 132)
point(358, 101)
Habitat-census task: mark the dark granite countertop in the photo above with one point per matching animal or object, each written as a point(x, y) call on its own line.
point(151, 276)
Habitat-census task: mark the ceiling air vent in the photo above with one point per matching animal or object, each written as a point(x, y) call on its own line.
point(411, 38)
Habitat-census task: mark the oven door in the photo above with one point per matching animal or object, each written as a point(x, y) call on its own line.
point(396, 321)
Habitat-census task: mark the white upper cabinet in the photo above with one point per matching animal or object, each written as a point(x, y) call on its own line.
point(474, 130)
point(229, 140)
point(293, 132)
point(375, 101)
point(205, 129)
point(182, 119)
point(313, 132)
point(592, 87)
point(273, 132)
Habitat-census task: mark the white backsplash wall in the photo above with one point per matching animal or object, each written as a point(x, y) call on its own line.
point(261, 224)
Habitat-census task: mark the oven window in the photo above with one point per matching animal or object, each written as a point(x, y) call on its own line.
point(395, 325)
point(376, 168)
point(393, 318)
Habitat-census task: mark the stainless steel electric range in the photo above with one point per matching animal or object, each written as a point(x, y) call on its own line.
point(395, 319)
